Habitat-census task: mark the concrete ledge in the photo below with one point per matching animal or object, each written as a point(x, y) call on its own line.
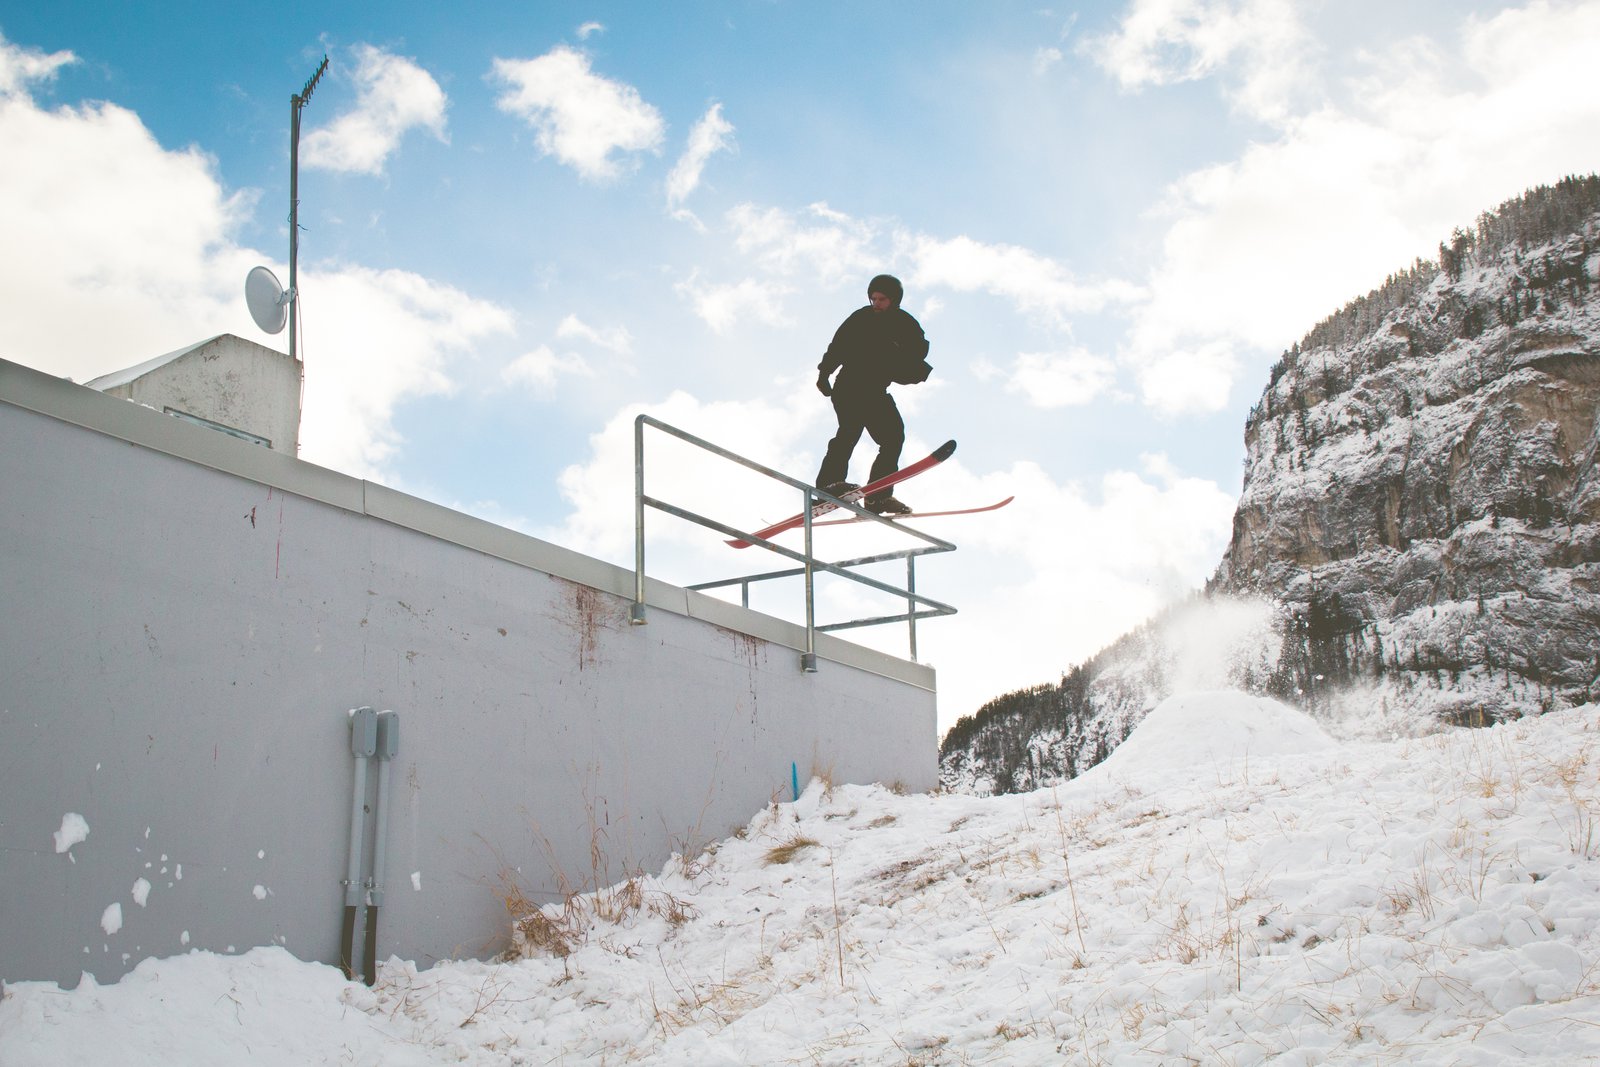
point(79, 405)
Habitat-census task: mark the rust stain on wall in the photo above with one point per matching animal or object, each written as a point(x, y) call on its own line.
point(589, 612)
point(753, 652)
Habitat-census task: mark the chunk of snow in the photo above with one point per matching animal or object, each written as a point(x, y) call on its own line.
point(141, 892)
point(74, 828)
point(111, 919)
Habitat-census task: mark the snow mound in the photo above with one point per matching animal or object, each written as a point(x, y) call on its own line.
point(1429, 902)
point(1215, 731)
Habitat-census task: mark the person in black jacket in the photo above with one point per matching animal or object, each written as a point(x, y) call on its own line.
point(878, 344)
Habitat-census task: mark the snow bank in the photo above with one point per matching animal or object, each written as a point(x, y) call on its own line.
point(265, 1008)
point(1216, 734)
point(1429, 901)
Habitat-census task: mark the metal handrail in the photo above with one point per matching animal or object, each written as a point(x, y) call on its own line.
point(917, 605)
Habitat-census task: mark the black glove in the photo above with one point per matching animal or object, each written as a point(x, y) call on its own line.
point(822, 385)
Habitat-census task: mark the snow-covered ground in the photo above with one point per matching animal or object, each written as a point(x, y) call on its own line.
point(1232, 887)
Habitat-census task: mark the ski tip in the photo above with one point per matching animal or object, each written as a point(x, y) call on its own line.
point(945, 451)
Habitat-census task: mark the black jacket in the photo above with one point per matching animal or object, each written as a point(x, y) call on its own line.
point(871, 346)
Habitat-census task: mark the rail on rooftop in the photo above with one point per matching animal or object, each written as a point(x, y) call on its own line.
point(917, 606)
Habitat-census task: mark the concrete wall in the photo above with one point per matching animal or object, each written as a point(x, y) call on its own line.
point(227, 380)
point(186, 620)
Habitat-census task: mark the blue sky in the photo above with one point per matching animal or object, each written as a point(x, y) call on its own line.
point(525, 223)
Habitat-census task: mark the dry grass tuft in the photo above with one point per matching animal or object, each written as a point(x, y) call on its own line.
point(787, 851)
point(533, 931)
point(558, 929)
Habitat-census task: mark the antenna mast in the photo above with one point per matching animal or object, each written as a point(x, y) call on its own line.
point(296, 103)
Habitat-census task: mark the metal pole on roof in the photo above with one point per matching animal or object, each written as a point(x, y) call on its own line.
point(296, 103)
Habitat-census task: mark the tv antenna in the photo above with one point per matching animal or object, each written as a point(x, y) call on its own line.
point(271, 305)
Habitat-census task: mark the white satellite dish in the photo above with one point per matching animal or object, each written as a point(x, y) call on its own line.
point(268, 301)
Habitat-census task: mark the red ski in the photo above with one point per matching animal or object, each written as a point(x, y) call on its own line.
point(794, 522)
point(920, 514)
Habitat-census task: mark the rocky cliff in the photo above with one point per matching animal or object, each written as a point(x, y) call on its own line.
point(1421, 492)
point(1420, 513)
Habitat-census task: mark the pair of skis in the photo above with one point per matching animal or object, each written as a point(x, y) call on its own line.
point(855, 496)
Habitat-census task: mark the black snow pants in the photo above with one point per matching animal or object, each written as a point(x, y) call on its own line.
point(875, 413)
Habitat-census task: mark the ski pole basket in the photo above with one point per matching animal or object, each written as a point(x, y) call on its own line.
point(917, 606)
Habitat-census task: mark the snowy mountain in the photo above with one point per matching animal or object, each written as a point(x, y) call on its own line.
point(1419, 528)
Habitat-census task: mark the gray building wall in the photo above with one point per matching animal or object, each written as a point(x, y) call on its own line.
point(186, 621)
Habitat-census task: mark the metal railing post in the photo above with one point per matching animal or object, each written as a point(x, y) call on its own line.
point(911, 603)
point(636, 613)
point(808, 658)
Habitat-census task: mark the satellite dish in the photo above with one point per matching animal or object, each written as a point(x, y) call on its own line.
point(268, 301)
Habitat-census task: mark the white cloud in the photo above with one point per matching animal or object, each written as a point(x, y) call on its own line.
point(589, 29)
point(393, 95)
point(578, 116)
point(21, 67)
point(1036, 284)
point(615, 339)
point(1261, 45)
point(1260, 248)
point(833, 247)
point(723, 306)
point(117, 250)
point(1061, 379)
point(786, 435)
point(1044, 583)
point(986, 370)
point(540, 368)
point(712, 134)
point(1188, 379)
point(378, 338)
point(120, 250)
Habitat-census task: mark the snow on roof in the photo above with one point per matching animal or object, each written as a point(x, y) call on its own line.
point(128, 374)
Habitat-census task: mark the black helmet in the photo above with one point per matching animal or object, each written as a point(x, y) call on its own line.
point(889, 286)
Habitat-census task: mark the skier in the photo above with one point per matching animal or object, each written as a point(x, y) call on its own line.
point(878, 344)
